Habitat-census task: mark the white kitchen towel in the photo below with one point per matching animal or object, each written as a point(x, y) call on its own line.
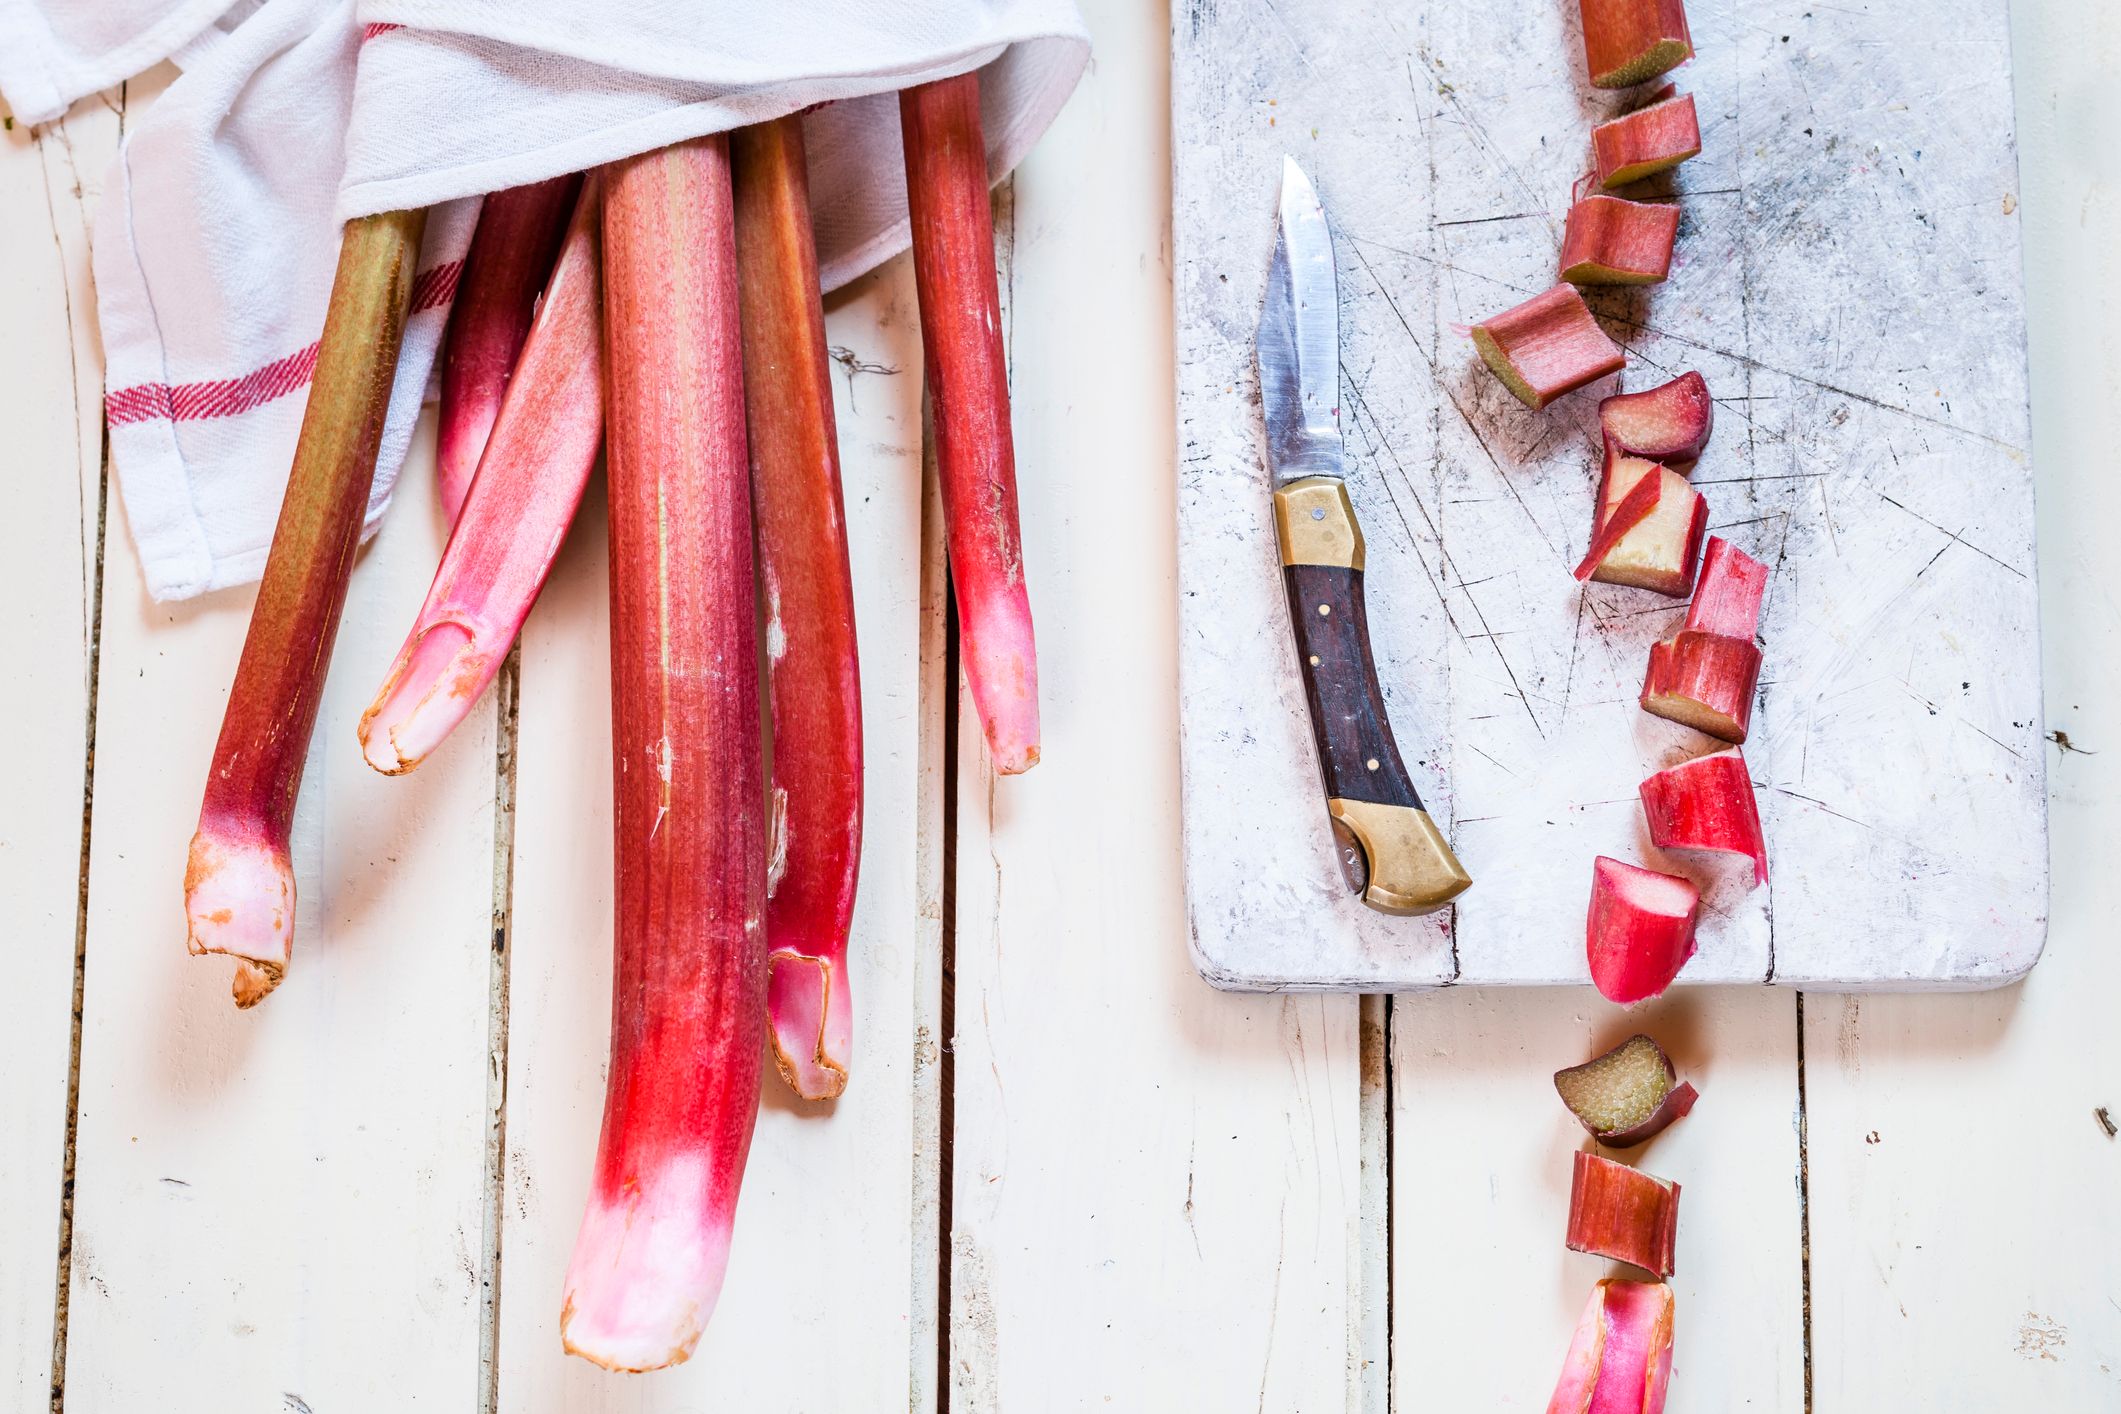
point(217, 238)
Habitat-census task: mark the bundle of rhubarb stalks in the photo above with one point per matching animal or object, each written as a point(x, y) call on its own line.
point(664, 310)
point(1649, 523)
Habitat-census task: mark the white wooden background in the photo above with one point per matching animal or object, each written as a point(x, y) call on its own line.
point(1119, 1189)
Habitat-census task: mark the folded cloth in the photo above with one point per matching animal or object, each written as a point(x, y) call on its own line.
point(217, 237)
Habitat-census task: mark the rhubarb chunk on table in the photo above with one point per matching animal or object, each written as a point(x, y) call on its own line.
point(1626, 1095)
point(1640, 930)
point(1623, 1213)
point(1613, 242)
point(1659, 550)
point(1645, 142)
point(1707, 804)
point(1668, 423)
point(1547, 346)
point(1627, 42)
point(1620, 1360)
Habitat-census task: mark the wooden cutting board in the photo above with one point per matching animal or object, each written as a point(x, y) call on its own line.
point(1848, 281)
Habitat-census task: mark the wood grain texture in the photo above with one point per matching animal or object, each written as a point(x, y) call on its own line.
point(1357, 756)
point(825, 1277)
point(265, 1200)
point(1155, 1187)
point(49, 540)
point(1846, 280)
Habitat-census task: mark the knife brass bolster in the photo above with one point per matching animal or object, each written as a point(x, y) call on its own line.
point(1412, 868)
point(1316, 524)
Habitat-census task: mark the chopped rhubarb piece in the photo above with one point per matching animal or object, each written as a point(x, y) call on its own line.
point(1626, 1095)
point(1645, 142)
point(1615, 242)
point(1640, 930)
point(1707, 804)
point(1668, 423)
point(511, 256)
point(1627, 42)
point(1634, 508)
point(688, 1006)
point(1547, 346)
point(816, 844)
point(1704, 681)
point(968, 390)
point(1732, 585)
point(530, 481)
point(1623, 1213)
point(239, 883)
point(1620, 1361)
point(1659, 552)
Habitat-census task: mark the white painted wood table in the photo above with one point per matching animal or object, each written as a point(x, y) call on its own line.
point(1118, 1189)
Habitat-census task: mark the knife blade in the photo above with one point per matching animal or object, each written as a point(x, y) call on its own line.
point(1390, 850)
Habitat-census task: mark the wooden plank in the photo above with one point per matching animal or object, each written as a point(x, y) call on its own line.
point(1878, 462)
point(826, 1279)
point(1485, 1294)
point(50, 178)
point(1965, 1211)
point(1154, 1187)
point(288, 1199)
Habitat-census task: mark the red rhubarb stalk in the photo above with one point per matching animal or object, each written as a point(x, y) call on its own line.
point(1645, 142)
point(239, 883)
point(1668, 423)
point(1613, 242)
point(1733, 584)
point(1640, 930)
point(1547, 346)
point(1627, 42)
point(1623, 1213)
point(1620, 1361)
point(1626, 1095)
point(530, 481)
point(511, 254)
point(1707, 804)
point(1704, 681)
point(968, 390)
point(816, 843)
point(1659, 551)
point(689, 988)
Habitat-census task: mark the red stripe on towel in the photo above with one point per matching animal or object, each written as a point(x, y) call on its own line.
point(229, 397)
point(369, 32)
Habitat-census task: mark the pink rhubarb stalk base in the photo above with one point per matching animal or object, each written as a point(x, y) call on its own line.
point(530, 481)
point(688, 991)
point(239, 886)
point(968, 389)
point(812, 667)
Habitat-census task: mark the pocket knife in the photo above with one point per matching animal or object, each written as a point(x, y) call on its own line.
point(1389, 849)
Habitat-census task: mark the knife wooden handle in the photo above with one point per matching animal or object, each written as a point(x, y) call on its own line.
point(1368, 791)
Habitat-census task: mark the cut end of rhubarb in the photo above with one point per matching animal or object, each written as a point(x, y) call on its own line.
point(430, 688)
point(1660, 551)
point(1640, 930)
point(1626, 1095)
point(1546, 347)
point(1661, 57)
point(239, 900)
point(812, 1024)
point(1668, 423)
point(647, 1268)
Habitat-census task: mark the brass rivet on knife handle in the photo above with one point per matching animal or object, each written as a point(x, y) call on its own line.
point(1412, 868)
point(1315, 523)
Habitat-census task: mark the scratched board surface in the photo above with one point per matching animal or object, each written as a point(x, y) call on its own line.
point(1848, 281)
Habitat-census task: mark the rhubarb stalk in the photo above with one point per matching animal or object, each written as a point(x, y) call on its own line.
point(816, 843)
point(1707, 804)
point(1704, 676)
point(1627, 42)
point(530, 481)
point(1645, 142)
point(1547, 346)
point(688, 992)
point(1620, 1361)
point(968, 390)
point(239, 883)
point(511, 254)
point(1626, 1095)
point(1659, 549)
point(1668, 423)
point(1623, 1213)
point(1613, 242)
point(1640, 930)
